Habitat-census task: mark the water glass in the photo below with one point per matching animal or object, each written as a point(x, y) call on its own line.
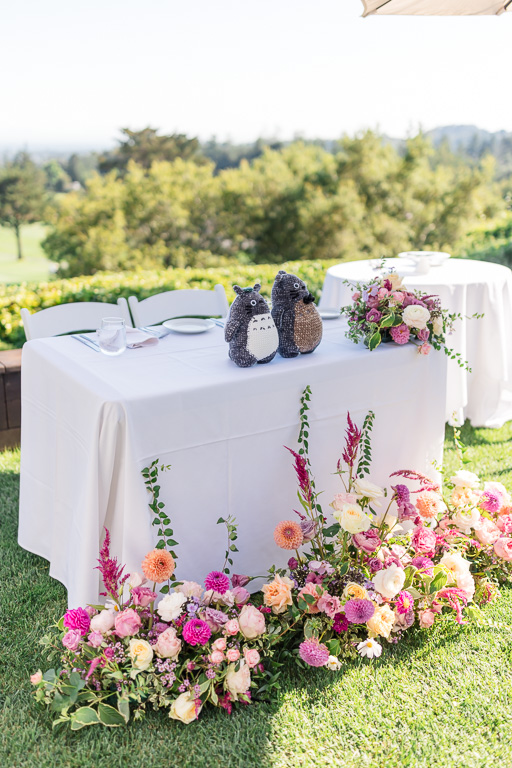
point(112, 336)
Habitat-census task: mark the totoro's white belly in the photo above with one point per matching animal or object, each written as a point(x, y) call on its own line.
point(262, 338)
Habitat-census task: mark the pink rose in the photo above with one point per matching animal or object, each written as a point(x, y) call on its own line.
point(427, 618)
point(233, 654)
point(71, 639)
point(216, 657)
point(219, 644)
point(241, 595)
point(127, 623)
point(329, 605)
point(36, 678)
point(396, 297)
point(503, 548)
point(231, 627)
point(383, 292)
point(424, 349)
point(91, 611)
point(343, 498)
point(168, 644)
point(251, 622)
point(423, 540)
point(251, 656)
point(143, 596)
point(311, 590)
point(356, 296)
point(367, 541)
point(486, 532)
point(504, 523)
point(95, 639)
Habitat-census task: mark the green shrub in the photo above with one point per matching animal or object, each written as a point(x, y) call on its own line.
point(109, 286)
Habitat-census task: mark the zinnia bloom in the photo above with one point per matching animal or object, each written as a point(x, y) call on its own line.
point(158, 565)
point(359, 611)
point(196, 632)
point(314, 653)
point(288, 535)
point(217, 581)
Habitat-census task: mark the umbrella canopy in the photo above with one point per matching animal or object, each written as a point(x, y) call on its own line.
point(436, 7)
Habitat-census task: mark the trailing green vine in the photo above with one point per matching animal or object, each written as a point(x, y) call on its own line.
point(157, 507)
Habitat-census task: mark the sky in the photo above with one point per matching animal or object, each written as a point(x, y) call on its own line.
point(73, 72)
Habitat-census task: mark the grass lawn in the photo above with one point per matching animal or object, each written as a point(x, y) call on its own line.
point(443, 699)
point(33, 266)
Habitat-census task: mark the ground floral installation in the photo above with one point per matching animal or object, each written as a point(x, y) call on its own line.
point(384, 310)
point(380, 563)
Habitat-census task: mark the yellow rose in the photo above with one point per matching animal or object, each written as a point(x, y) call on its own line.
point(355, 591)
point(141, 654)
point(184, 708)
point(381, 621)
point(395, 280)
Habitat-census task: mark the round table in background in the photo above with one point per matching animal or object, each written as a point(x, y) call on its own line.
point(483, 396)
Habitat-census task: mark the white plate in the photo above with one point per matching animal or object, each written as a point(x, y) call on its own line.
point(435, 258)
point(329, 314)
point(189, 325)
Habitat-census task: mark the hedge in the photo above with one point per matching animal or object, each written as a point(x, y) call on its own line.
point(109, 286)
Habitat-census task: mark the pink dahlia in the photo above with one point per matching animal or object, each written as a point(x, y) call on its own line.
point(314, 653)
point(77, 618)
point(196, 632)
point(404, 602)
point(359, 611)
point(400, 333)
point(423, 564)
point(217, 581)
point(490, 501)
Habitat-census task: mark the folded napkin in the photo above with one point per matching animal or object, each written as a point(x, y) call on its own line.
point(136, 338)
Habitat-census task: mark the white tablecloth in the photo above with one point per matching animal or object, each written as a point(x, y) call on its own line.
point(91, 423)
point(485, 395)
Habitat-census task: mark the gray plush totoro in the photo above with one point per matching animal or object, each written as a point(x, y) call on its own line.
point(298, 323)
point(250, 329)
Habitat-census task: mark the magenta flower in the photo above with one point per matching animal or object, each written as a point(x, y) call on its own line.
point(340, 623)
point(314, 653)
point(352, 440)
point(292, 563)
point(301, 470)
point(217, 581)
point(111, 571)
point(239, 580)
point(143, 596)
point(404, 602)
point(77, 618)
point(423, 564)
point(400, 333)
point(374, 316)
point(368, 541)
point(359, 611)
point(375, 565)
point(490, 501)
point(71, 640)
point(196, 632)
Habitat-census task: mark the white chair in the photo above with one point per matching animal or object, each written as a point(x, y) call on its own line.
point(181, 303)
point(69, 318)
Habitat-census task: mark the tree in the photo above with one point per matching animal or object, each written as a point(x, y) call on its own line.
point(22, 194)
point(146, 147)
point(56, 177)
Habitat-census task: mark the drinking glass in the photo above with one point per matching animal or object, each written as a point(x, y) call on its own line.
point(112, 336)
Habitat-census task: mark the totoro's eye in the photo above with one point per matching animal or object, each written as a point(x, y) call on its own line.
point(253, 303)
point(296, 285)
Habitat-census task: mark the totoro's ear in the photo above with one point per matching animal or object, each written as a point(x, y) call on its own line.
point(257, 287)
point(280, 274)
point(238, 290)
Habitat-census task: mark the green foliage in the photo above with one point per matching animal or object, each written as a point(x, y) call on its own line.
point(108, 287)
point(22, 194)
point(157, 507)
point(146, 147)
point(232, 531)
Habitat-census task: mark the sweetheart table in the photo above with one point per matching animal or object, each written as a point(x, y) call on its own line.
point(466, 286)
point(91, 423)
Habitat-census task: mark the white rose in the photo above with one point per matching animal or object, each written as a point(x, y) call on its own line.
point(352, 518)
point(141, 653)
point(238, 682)
point(416, 316)
point(437, 325)
point(368, 490)
point(466, 520)
point(389, 581)
point(395, 280)
point(455, 563)
point(190, 589)
point(184, 708)
point(465, 479)
point(103, 621)
point(171, 606)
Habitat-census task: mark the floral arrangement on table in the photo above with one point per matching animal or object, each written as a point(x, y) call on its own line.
point(384, 310)
point(388, 560)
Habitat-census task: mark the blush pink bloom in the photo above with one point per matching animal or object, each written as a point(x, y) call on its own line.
point(367, 541)
point(504, 523)
point(251, 622)
point(241, 595)
point(143, 596)
point(127, 623)
point(95, 639)
point(383, 292)
point(400, 334)
point(219, 644)
point(168, 644)
point(503, 548)
point(71, 639)
point(396, 297)
point(36, 678)
point(486, 532)
point(231, 627)
point(311, 589)
point(329, 604)
point(216, 657)
point(356, 296)
point(427, 618)
point(233, 654)
point(423, 540)
point(252, 657)
point(424, 349)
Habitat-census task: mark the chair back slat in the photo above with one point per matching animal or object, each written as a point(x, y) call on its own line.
point(180, 303)
point(70, 318)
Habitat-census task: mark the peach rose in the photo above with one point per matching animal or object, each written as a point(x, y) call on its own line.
point(141, 653)
point(231, 627)
point(311, 589)
point(232, 654)
point(486, 532)
point(355, 591)
point(382, 621)
point(278, 594)
point(216, 657)
point(503, 548)
point(36, 678)
point(219, 644)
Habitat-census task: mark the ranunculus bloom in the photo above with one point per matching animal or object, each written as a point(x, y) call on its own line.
point(416, 316)
point(455, 563)
point(251, 622)
point(238, 681)
point(36, 678)
point(143, 596)
point(141, 653)
point(241, 595)
point(171, 606)
point(329, 604)
point(382, 621)
point(71, 639)
point(185, 708)
point(216, 657)
point(232, 654)
point(278, 594)
point(486, 532)
point(503, 548)
point(127, 623)
point(214, 618)
point(367, 541)
point(423, 540)
point(252, 657)
point(352, 518)
point(341, 499)
point(95, 639)
point(389, 581)
point(103, 621)
point(427, 618)
point(355, 591)
point(168, 644)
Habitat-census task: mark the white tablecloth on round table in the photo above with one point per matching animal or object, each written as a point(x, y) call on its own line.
point(485, 395)
point(91, 423)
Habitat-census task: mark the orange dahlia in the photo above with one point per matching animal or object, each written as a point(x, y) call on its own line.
point(429, 504)
point(288, 535)
point(158, 565)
